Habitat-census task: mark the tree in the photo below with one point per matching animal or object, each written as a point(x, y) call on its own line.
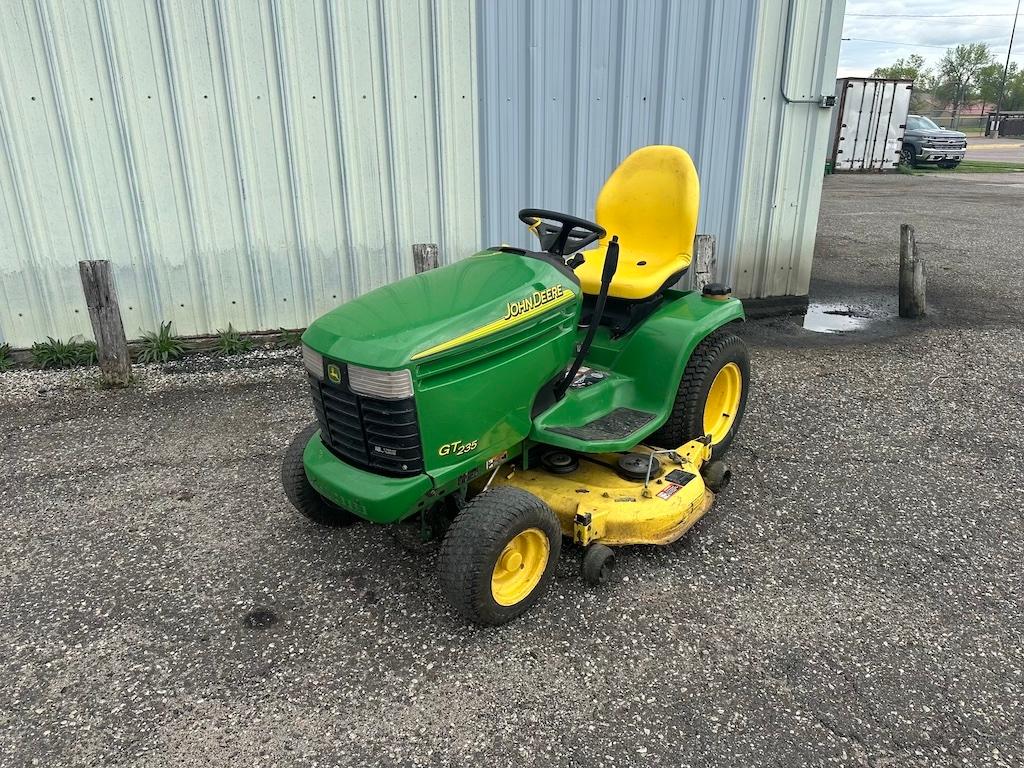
point(909, 68)
point(957, 77)
point(990, 79)
point(1013, 98)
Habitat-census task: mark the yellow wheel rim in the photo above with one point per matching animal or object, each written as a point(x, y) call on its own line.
point(723, 402)
point(520, 567)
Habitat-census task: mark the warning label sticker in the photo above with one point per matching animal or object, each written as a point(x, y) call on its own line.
point(668, 491)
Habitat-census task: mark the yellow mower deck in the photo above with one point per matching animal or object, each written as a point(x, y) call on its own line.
point(594, 503)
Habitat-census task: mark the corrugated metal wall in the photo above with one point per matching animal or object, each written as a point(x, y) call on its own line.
point(259, 162)
point(784, 155)
point(252, 163)
point(570, 87)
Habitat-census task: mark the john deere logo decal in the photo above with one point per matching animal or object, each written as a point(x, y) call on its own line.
point(537, 303)
point(533, 301)
point(334, 373)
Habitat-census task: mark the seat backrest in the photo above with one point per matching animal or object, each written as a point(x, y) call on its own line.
point(650, 201)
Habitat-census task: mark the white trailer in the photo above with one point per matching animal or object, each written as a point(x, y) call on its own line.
point(868, 123)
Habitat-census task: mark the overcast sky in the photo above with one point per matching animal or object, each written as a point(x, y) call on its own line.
point(881, 20)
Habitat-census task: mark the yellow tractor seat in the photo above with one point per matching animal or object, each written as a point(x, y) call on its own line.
point(650, 201)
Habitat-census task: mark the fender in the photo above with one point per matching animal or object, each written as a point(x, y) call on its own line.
point(664, 343)
point(643, 368)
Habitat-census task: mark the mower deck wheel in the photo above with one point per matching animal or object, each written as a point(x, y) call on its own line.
point(716, 475)
point(499, 554)
point(598, 563)
point(300, 493)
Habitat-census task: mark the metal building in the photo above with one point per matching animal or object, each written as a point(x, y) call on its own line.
point(259, 162)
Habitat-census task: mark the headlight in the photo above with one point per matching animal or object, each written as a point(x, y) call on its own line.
point(314, 363)
point(387, 385)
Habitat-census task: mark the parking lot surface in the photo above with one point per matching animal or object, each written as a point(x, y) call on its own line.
point(855, 597)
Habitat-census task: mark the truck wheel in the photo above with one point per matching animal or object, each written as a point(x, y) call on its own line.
point(712, 395)
point(907, 156)
point(499, 555)
point(300, 493)
point(949, 163)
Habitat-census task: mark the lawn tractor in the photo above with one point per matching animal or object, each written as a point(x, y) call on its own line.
point(517, 397)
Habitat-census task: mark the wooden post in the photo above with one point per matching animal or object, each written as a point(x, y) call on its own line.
point(105, 315)
point(424, 256)
point(704, 261)
point(912, 277)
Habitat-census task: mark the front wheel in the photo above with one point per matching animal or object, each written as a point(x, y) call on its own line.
point(950, 164)
point(712, 395)
point(907, 156)
point(499, 555)
point(301, 493)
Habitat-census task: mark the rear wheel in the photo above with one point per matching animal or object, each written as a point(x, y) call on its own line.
point(712, 394)
point(499, 555)
point(301, 493)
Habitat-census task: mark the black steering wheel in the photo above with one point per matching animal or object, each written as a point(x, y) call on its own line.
point(568, 233)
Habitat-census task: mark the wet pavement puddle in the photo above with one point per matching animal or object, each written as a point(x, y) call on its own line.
point(834, 318)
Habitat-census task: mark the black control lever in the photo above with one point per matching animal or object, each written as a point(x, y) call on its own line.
point(611, 263)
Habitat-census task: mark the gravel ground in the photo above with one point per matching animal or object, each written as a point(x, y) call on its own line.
point(855, 597)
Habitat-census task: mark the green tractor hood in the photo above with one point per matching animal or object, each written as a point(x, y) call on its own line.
point(400, 325)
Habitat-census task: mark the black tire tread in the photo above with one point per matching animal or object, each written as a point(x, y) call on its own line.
point(465, 562)
point(298, 489)
point(680, 426)
point(594, 559)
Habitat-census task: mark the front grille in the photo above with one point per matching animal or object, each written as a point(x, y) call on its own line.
point(381, 436)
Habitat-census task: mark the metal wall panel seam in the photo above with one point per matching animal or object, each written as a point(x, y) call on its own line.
point(258, 164)
point(147, 256)
point(364, 169)
point(440, 113)
point(233, 113)
point(412, 130)
point(90, 146)
point(60, 102)
point(154, 166)
point(458, 146)
point(392, 269)
point(288, 115)
point(30, 260)
point(218, 225)
point(59, 309)
point(791, 232)
point(343, 208)
point(805, 215)
point(202, 306)
point(365, 178)
point(761, 274)
point(121, 235)
point(269, 164)
point(25, 179)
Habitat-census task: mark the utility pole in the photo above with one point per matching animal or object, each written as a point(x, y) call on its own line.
point(1002, 85)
